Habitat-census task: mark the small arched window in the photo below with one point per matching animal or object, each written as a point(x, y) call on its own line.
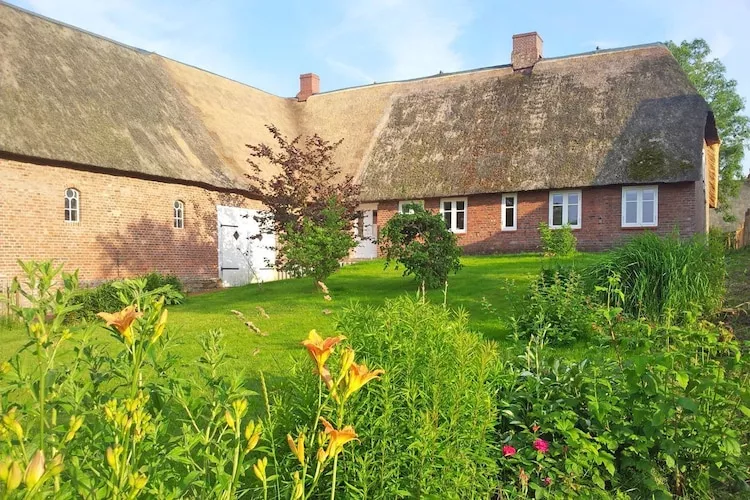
point(72, 205)
point(179, 214)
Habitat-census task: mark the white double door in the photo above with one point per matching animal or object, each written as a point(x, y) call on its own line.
point(243, 257)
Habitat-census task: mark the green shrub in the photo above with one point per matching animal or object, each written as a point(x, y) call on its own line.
point(421, 242)
point(665, 277)
point(317, 247)
point(557, 242)
point(106, 297)
point(669, 421)
point(557, 304)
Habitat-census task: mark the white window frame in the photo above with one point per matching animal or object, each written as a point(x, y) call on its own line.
point(565, 195)
point(68, 214)
point(402, 204)
point(639, 203)
point(503, 208)
point(454, 212)
point(178, 214)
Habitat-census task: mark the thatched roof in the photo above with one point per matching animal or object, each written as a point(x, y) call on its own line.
point(610, 117)
point(613, 117)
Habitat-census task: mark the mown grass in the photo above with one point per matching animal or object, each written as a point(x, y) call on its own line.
point(294, 307)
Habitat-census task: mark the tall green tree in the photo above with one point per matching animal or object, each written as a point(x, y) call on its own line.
point(708, 74)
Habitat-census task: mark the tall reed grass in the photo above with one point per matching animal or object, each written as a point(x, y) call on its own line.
point(667, 277)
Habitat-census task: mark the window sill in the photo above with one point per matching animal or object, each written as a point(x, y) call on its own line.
point(508, 229)
point(639, 227)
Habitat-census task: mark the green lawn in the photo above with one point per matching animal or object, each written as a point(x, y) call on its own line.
point(295, 307)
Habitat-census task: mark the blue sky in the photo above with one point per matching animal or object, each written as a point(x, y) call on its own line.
point(267, 44)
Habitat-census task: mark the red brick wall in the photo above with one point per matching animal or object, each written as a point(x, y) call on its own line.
point(600, 218)
point(125, 229)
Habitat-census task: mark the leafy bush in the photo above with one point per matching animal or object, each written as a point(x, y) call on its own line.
point(558, 305)
point(557, 242)
point(663, 277)
point(107, 296)
point(426, 428)
point(665, 422)
point(421, 242)
point(316, 248)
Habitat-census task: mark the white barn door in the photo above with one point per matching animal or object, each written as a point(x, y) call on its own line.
point(242, 258)
point(366, 235)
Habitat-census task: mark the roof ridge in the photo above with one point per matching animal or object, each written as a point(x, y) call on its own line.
point(75, 28)
point(131, 47)
point(494, 67)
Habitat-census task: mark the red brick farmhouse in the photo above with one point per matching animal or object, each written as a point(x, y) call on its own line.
point(118, 161)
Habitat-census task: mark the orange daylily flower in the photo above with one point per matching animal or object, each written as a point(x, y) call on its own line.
point(338, 438)
point(359, 375)
point(122, 321)
point(320, 349)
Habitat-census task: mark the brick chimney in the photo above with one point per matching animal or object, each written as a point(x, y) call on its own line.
point(527, 50)
point(309, 84)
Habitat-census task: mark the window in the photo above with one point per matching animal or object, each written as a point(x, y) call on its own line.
point(454, 213)
point(565, 208)
point(179, 214)
point(509, 211)
point(640, 206)
point(403, 206)
point(72, 205)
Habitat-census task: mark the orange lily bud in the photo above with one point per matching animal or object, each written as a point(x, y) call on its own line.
point(4, 367)
point(14, 477)
point(34, 470)
point(9, 420)
point(322, 455)
point(259, 469)
point(347, 359)
point(240, 407)
point(160, 325)
point(298, 448)
point(299, 487)
point(56, 465)
point(138, 481)
point(249, 430)
point(4, 469)
point(110, 456)
point(229, 419)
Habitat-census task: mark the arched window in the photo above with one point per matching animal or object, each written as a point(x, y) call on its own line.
point(72, 205)
point(179, 214)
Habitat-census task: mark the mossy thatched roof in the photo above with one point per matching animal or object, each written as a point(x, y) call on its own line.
point(610, 117)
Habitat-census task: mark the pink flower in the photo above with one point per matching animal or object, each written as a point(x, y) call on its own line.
point(508, 451)
point(541, 445)
point(547, 481)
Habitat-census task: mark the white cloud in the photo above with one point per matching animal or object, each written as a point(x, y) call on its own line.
point(191, 32)
point(410, 38)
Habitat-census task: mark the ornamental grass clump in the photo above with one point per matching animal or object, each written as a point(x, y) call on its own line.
point(664, 277)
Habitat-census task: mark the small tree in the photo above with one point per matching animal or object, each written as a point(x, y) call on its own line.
point(311, 205)
point(559, 242)
point(316, 247)
point(307, 182)
point(421, 242)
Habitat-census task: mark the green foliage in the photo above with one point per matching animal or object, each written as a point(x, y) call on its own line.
point(316, 247)
point(709, 77)
point(557, 242)
point(663, 277)
point(670, 420)
point(558, 305)
point(107, 296)
point(426, 427)
point(421, 242)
